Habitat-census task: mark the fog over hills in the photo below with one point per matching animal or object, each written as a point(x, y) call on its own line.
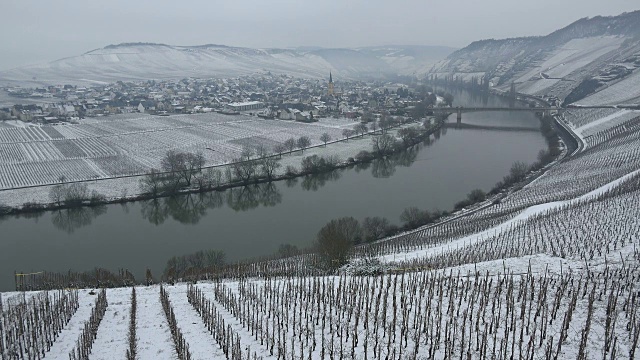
point(140, 61)
point(572, 62)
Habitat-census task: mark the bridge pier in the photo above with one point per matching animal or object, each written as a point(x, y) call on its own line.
point(459, 115)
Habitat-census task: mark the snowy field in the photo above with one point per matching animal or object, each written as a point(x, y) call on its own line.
point(568, 58)
point(133, 144)
point(156, 61)
point(551, 272)
point(130, 186)
point(537, 311)
point(626, 91)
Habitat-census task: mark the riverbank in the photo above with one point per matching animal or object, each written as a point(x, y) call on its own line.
point(128, 189)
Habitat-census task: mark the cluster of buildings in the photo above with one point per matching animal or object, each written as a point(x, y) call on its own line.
point(266, 95)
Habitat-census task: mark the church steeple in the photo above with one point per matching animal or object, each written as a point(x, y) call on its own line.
point(330, 89)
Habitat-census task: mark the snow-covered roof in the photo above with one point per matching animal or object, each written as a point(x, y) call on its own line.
point(247, 103)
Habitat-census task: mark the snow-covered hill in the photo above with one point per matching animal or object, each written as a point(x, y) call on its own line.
point(134, 61)
point(571, 63)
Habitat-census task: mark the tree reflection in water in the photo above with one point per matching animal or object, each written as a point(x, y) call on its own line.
point(291, 182)
point(316, 181)
point(70, 220)
point(407, 157)
point(185, 209)
point(191, 208)
point(251, 196)
point(383, 168)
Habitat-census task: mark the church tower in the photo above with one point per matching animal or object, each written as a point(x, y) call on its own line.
point(330, 90)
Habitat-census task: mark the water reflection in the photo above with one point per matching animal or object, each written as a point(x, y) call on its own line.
point(291, 182)
point(250, 197)
point(316, 181)
point(407, 157)
point(191, 208)
point(185, 209)
point(70, 220)
point(383, 168)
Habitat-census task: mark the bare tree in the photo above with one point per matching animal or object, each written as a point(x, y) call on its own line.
point(374, 126)
point(75, 194)
point(279, 149)
point(192, 165)
point(409, 135)
point(288, 250)
point(383, 144)
point(244, 170)
point(56, 194)
point(228, 174)
point(268, 166)
point(414, 217)
point(383, 123)
point(374, 227)
point(247, 153)
point(360, 128)
point(290, 144)
point(336, 239)
point(171, 161)
point(325, 138)
point(476, 195)
point(151, 183)
point(303, 142)
point(214, 177)
point(347, 133)
point(261, 151)
point(181, 166)
point(518, 171)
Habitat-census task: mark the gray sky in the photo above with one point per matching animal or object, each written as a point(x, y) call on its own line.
point(33, 31)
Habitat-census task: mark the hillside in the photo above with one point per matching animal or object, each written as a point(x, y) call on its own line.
point(572, 62)
point(141, 61)
point(549, 269)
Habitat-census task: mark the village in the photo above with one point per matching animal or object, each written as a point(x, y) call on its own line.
point(265, 95)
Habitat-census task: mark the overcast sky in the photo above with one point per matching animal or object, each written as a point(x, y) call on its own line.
point(34, 31)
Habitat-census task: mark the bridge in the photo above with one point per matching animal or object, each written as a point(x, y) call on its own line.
point(460, 109)
point(460, 125)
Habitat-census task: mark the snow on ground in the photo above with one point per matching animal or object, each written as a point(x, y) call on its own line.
point(201, 344)
point(156, 61)
point(626, 91)
point(154, 336)
point(66, 342)
point(134, 144)
point(245, 336)
point(566, 59)
point(14, 124)
point(543, 263)
point(112, 338)
point(480, 236)
point(606, 122)
point(130, 186)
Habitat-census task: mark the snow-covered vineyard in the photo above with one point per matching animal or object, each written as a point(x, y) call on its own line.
point(551, 272)
point(135, 143)
point(459, 314)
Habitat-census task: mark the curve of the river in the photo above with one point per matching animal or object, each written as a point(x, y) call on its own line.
point(255, 221)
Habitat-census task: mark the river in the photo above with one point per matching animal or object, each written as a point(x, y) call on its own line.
point(255, 221)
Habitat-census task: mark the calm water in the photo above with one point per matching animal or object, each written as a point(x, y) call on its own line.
point(254, 221)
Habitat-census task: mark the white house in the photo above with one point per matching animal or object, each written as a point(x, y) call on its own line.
point(244, 106)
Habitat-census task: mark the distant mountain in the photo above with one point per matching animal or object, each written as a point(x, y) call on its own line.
point(409, 59)
point(141, 61)
point(571, 62)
